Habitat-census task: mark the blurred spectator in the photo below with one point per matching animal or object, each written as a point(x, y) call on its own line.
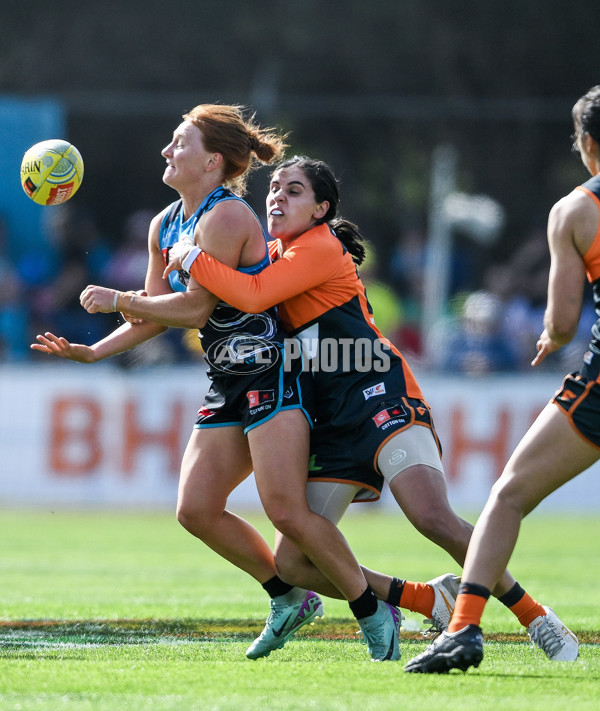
point(474, 343)
point(406, 270)
point(80, 255)
point(529, 265)
point(521, 286)
point(407, 265)
point(521, 321)
point(14, 314)
point(126, 268)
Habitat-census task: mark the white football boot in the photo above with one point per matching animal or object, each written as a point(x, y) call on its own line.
point(445, 588)
point(553, 637)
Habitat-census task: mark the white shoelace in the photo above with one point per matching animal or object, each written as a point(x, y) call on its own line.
point(547, 637)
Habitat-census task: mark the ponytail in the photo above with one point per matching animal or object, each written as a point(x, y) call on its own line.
point(266, 145)
point(349, 235)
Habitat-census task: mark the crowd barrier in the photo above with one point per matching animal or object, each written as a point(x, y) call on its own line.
point(99, 436)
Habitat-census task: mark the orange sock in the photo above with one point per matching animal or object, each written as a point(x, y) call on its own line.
point(468, 611)
point(527, 609)
point(417, 597)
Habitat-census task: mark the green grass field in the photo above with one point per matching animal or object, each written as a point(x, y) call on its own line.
point(126, 611)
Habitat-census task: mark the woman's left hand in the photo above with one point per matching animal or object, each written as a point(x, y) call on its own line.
point(545, 346)
point(177, 253)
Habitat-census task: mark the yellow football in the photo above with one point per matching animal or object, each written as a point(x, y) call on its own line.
point(51, 171)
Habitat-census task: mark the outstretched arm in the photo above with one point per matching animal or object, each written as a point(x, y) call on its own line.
point(129, 334)
point(305, 264)
point(122, 339)
point(226, 231)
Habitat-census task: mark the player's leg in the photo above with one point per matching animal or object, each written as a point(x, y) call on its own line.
point(350, 455)
point(419, 487)
point(548, 456)
point(280, 449)
point(421, 491)
point(330, 500)
point(434, 599)
point(215, 462)
point(300, 606)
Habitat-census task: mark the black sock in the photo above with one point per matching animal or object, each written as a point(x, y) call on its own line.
point(276, 587)
point(473, 589)
point(395, 592)
point(513, 596)
point(365, 605)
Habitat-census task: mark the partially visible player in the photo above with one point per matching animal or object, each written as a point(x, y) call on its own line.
point(564, 440)
point(372, 420)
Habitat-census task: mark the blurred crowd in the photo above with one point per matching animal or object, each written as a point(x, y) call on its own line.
point(40, 291)
point(494, 313)
point(492, 320)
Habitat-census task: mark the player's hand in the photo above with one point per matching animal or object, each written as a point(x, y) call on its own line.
point(131, 319)
point(177, 253)
point(545, 346)
point(58, 346)
point(98, 299)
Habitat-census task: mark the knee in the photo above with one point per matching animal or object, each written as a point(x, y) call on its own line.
point(195, 517)
point(290, 568)
point(185, 515)
point(285, 519)
point(507, 494)
point(443, 526)
point(431, 526)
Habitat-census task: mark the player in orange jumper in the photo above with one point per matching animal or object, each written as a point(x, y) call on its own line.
point(564, 440)
point(372, 421)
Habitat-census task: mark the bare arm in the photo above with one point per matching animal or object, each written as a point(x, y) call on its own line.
point(124, 337)
point(189, 309)
point(306, 264)
point(230, 230)
point(569, 236)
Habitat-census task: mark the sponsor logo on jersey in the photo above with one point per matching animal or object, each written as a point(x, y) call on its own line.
point(240, 354)
point(390, 416)
point(374, 391)
point(256, 398)
point(205, 412)
point(381, 417)
point(312, 464)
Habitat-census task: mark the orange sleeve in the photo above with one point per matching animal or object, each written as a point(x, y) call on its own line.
point(306, 264)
